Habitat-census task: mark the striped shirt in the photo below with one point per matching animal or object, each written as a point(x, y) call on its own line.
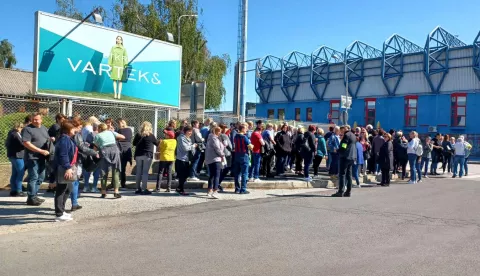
point(241, 143)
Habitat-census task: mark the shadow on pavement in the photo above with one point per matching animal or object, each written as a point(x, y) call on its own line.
point(26, 215)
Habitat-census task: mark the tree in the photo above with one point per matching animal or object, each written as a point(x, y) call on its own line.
point(67, 8)
point(7, 56)
point(157, 18)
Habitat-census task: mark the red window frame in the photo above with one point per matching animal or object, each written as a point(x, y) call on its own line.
point(278, 114)
point(297, 114)
point(408, 115)
point(271, 113)
point(334, 119)
point(455, 118)
point(367, 122)
point(309, 114)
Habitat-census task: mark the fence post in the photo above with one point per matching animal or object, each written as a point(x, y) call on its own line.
point(168, 114)
point(155, 124)
point(69, 109)
point(64, 106)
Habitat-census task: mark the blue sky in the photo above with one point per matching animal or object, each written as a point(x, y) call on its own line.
point(277, 27)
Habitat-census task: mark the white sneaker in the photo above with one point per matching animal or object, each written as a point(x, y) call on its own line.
point(308, 179)
point(214, 195)
point(411, 182)
point(67, 214)
point(210, 195)
point(63, 218)
point(86, 190)
point(251, 179)
point(257, 180)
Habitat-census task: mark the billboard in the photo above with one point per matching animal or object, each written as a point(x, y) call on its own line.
point(80, 60)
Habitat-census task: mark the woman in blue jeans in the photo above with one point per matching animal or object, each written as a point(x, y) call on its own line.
point(412, 148)
point(83, 151)
point(214, 158)
point(15, 153)
point(359, 163)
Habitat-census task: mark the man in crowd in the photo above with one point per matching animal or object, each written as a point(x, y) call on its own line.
point(267, 159)
point(258, 143)
point(377, 144)
point(205, 131)
point(35, 139)
point(240, 163)
point(348, 156)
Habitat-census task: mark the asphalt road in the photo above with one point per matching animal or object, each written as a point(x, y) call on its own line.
point(431, 228)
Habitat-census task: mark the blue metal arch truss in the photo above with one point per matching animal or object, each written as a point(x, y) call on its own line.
point(394, 49)
point(291, 64)
point(355, 55)
point(437, 46)
point(476, 55)
point(320, 68)
point(264, 75)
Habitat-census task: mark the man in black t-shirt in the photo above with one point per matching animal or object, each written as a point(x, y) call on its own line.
point(35, 140)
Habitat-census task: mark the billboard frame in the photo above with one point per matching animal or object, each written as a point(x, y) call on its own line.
point(79, 22)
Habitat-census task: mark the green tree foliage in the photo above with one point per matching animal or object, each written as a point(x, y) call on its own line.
point(7, 56)
point(154, 20)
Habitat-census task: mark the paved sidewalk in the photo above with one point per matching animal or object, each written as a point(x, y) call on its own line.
point(16, 216)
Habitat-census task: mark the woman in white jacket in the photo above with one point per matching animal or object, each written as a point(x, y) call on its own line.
point(412, 148)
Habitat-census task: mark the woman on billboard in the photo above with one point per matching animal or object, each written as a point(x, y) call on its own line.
point(118, 61)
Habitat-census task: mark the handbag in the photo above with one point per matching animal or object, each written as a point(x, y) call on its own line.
point(73, 165)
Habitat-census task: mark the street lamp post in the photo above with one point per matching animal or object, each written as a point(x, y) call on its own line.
point(178, 23)
point(347, 105)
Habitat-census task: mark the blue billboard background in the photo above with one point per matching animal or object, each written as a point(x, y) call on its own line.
point(76, 64)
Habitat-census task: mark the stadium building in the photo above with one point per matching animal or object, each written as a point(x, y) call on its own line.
point(402, 86)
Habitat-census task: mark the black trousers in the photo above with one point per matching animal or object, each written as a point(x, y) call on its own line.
point(164, 167)
point(316, 163)
point(345, 175)
point(447, 157)
point(183, 170)
point(402, 163)
point(267, 164)
point(62, 193)
point(385, 176)
point(125, 158)
point(298, 162)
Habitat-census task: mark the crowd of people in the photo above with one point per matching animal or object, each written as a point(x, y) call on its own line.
point(72, 149)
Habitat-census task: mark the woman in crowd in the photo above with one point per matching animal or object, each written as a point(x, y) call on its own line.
point(412, 149)
point(371, 162)
point(307, 151)
point(105, 141)
point(167, 157)
point(400, 154)
point(214, 158)
point(447, 153)
point(468, 151)
point(66, 156)
point(125, 147)
point(256, 153)
point(298, 141)
point(184, 152)
point(144, 143)
point(386, 159)
point(366, 152)
point(427, 155)
point(228, 149)
point(89, 130)
point(15, 153)
point(84, 151)
point(321, 151)
point(357, 166)
point(283, 148)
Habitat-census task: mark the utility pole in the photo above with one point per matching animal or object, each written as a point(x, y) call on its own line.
point(241, 55)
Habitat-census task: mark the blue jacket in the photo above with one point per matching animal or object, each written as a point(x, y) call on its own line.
point(64, 152)
point(321, 145)
point(360, 160)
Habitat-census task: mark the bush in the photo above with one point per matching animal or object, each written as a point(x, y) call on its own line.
point(6, 124)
